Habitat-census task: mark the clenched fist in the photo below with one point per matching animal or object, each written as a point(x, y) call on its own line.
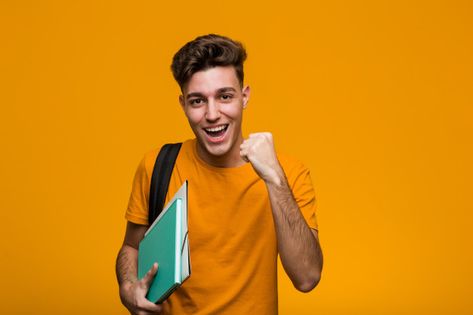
point(259, 150)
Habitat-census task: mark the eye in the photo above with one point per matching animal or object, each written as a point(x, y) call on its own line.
point(196, 101)
point(226, 97)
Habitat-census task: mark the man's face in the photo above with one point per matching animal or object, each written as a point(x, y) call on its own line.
point(213, 102)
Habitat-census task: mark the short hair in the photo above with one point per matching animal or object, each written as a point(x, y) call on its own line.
point(205, 52)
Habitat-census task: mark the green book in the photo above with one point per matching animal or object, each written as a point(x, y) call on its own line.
point(166, 243)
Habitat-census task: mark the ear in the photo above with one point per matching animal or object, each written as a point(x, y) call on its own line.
point(246, 95)
point(181, 101)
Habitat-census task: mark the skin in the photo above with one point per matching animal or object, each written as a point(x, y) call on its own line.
point(133, 291)
point(211, 98)
point(214, 97)
point(298, 244)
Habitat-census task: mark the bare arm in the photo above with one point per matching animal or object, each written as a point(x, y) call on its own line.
point(298, 245)
point(126, 267)
point(133, 291)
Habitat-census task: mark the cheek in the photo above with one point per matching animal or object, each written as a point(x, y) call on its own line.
point(195, 115)
point(232, 110)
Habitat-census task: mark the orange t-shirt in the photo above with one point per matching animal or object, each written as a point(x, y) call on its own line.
point(232, 236)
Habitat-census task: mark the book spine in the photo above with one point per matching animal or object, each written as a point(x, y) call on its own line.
point(177, 265)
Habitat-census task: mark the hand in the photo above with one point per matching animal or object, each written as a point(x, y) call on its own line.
point(133, 295)
point(258, 149)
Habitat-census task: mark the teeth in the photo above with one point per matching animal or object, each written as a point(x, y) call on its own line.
point(216, 129)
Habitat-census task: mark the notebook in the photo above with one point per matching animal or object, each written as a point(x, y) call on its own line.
point(166, 243)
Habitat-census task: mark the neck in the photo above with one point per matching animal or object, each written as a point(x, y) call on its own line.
point(230, 159)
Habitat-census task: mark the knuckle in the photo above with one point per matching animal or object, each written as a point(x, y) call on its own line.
point(140, 305)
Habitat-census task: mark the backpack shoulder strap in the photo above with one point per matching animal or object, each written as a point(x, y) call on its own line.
point(160, 179)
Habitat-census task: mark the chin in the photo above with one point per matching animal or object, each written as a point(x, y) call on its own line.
point(217, 150)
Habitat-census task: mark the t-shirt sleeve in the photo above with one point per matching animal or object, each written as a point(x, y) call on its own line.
point(137, 210)
point(304, 194)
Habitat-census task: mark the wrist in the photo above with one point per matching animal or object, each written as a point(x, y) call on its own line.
point(126, 285)
point(275, 178)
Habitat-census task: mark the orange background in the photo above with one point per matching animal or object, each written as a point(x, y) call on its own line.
point(374, 96)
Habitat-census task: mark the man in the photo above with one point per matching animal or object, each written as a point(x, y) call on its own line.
point(247, 204)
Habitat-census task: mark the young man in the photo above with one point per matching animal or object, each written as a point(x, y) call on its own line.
point(247, 204)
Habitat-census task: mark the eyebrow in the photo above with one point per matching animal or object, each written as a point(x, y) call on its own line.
point(221, 90)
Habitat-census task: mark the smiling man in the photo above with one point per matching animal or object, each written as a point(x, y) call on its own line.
point(247, 203)
point(213, 102)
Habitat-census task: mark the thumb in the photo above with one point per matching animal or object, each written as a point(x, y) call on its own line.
point(244, 156)
point(149, 276)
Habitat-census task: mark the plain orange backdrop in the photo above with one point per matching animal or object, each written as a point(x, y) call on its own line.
point(374, 96)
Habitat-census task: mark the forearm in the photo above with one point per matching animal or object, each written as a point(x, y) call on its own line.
point(126, 267)
point(133, 291)
point(299, 249)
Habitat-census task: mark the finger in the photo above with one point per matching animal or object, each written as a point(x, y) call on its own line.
point(244, 156)
point(150, 307)
point(258, 134)
point(269, 136)
point(245, 141)
point(149, 276)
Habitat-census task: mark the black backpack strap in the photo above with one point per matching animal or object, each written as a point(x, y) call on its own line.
point(160, 179)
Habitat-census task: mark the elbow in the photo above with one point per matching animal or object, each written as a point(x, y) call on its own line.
point(308, 284)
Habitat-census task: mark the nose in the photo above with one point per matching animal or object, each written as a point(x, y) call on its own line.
point(213, 110)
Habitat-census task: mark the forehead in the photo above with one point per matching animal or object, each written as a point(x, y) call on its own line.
point(211, 80)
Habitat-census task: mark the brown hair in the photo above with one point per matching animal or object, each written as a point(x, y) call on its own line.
point(206, 52)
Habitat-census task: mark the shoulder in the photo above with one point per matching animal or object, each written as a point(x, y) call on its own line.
point(290, 162)
point(149, 158)
point(293, 167)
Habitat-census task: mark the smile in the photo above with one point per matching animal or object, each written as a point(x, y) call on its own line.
point(216, 134)
point(217, 131)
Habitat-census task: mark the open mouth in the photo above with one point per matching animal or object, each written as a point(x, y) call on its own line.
point(216, 132)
